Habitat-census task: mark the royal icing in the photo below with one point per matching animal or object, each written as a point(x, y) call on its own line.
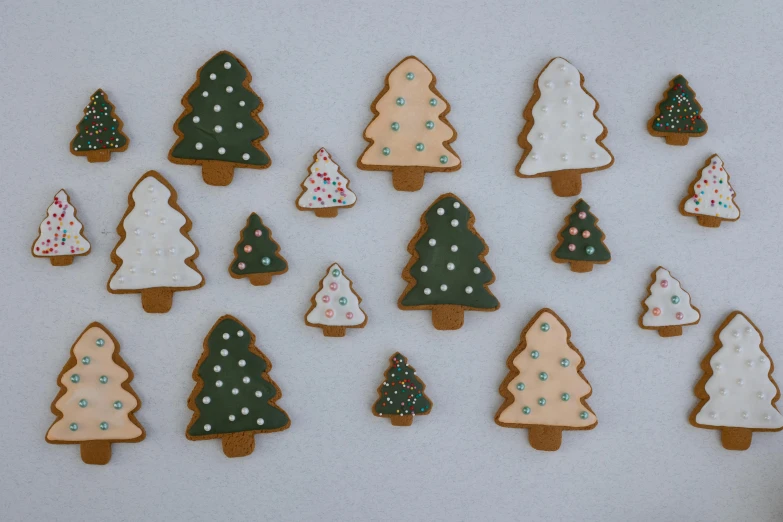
point(326, 186)
point(409, 128)
point(450, 267)
point(60, 233)
point(679, 113)
point(668, 304)
point(740, 389)
point(548, 390)
point(95, 406)
point(154, 250)
point(565, 131)
point(100, 129)
point(712, 194)
point(402, 393)
point(336, 304)
point(237, 393)
point(581, 239)
point(220, 122)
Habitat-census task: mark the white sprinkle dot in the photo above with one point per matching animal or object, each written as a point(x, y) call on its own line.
point(424, 268)
point(449, 266)
point(221, 150)
point(246, 379)
point(216, 108)
point(468, 289)
point(443, 288)
point(235, 391)
point(232, 418)
point(427, 291)
point(239, 125)
point(218, 128)
point(226, 335)
point(245, 156)
point(242, 104)
point(245, 411)
point(212, 76)
point(205, 94)
point(223, 352)
point(454, 222)
point(218, 383)
point(241, 363)
point(196, 119)
point(229, 89)
point(260, 421)
point(240, 333)
point(216, 367)
point(477, 270)
point(454, 248)
point(441, 211)
point(456, 204)
point(207, 427)
point(199, 145)
point(206, 400)
point(432, 242)
point(259, 394)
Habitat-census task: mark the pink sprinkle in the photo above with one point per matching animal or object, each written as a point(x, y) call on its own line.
point(241, 266)
point(349, 315)
point(679, 316)
point(326, 299)
point(664, 283)
point(656, 311)
point(258, 233)
point(248, 249)
point(333, 287)
point(571, 247)
point(329, 313)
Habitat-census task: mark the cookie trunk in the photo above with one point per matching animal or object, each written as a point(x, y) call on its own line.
point(448, 317)
point(737, 439)
point(676, 139)
point(670, 331)
point(581, 266)
point(334, 331)
point(708, 221)
point(240, 444)
point(260, 279)
point(217, 173)
point(96, 452)
point(408, 179)
point(326, 212)
point(545, 438)
point(401, 420)
point(61, 260)
point(157, 300)
point(566, 184)
point(98, 156)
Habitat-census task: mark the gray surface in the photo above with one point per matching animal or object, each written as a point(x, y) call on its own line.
point(317, 70)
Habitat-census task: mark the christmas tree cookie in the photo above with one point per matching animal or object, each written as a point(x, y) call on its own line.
point(96, 403)
point(581, 241)
point(335, 306)
point(668, 307)
point(234, 398)
point(447, 272)
point(711, 199)
point(409, 134)
point(155, 255)
point(545, 390)
point(401, 396)
point(325, 190)
point(220, 128)
point(678, 117)
point(562, 137)
point(257, 255)
point(99, 133)
point(737, 394)
point(60, 236)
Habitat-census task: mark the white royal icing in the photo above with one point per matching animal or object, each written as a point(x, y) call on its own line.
point(565, 130)
point(318, 315)
point(661, 298)
point(712, 194)
point(740, 389)
point(154, 250)
point(325, 186)
point(60, 232)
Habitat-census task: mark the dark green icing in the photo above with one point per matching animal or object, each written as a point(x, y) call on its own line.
point(262, 246)
point(235, 141)
point(401, 392)
point(100, 128)
point(680, 112)
point(596, 239)
point(436, 258)
point(222, 402)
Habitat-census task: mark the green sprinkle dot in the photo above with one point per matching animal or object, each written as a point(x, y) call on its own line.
point(104, 379)
point(675, 299)
point(104, 426)
point(386, 151)
point(265, 261)
point(565, 396)
point(73, 426)
point(83, 403)
point(395, 126)
point(336, 272)
point(433, 102)
point(542, 401)
point(589, 251)
point(430, 125)
point(543, 376)
point(117, 405)
point(86, 360)
point(521, 386)
point(544, 327)
point(410, 76)
point(75, 378)
point(100, 342)
point(400, 101)
point(534, 354)
point(444, 160)
point(584, 415)
point(526, 410)
point(420, 147)
point(343, 301)
point(565, 363)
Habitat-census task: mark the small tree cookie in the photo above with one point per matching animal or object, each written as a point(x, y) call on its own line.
point(409, 134)
point(99, 133)
point(447, 272)
point(737, 393)
point(234, 398)
point(667, 307)
point(711, 199)
point(562, 137)
point(257, 256)
point(60, 236)
point(545, 390)
point(155, 255)
point(335, 306)
point(581, 241)
point(96, 403)
point(325, 190)
point(401, 396)
point(220, 128)
point(678, 117)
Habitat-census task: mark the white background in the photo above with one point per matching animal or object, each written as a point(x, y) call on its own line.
point(317, 69)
